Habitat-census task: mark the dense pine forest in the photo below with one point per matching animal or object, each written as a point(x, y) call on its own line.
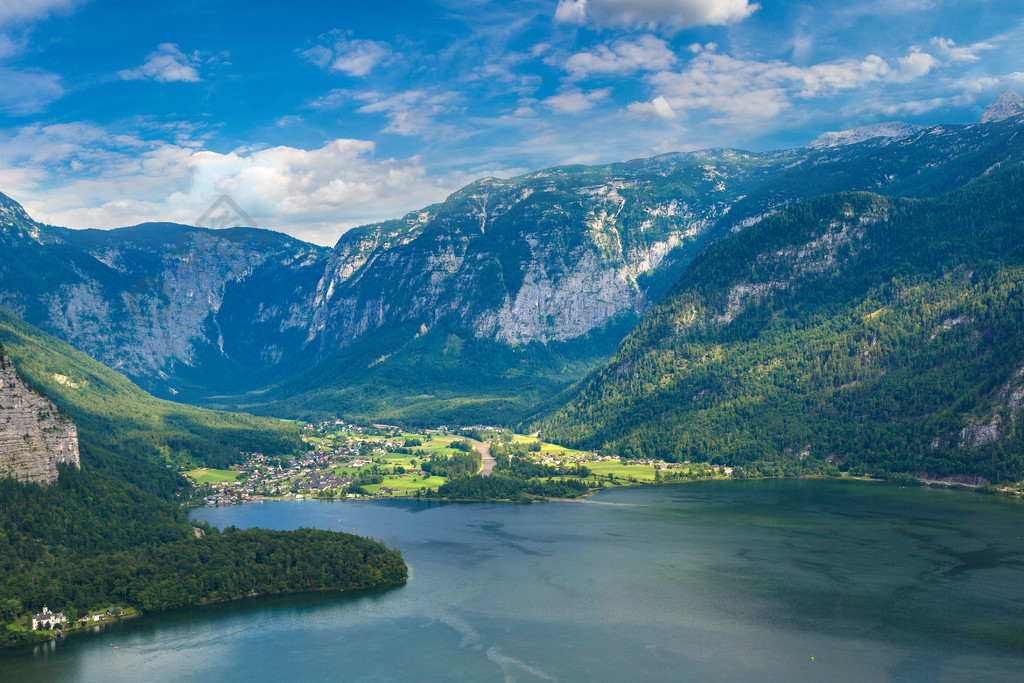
point(872, 334)
point(113, 533)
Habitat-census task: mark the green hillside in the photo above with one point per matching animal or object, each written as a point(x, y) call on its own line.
point(116, 416)
point(109, 533)
point(877, 334)
point(445, 376)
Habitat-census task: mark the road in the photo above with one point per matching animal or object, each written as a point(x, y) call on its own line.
point(485, 452)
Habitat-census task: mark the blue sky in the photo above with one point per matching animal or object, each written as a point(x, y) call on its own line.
point(316, 117)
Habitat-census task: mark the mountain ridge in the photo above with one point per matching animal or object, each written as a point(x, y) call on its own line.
point(1008, 104)
point(525, 269)
point(879, 334)
point(888, 131)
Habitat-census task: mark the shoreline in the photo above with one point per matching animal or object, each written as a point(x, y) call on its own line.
point(1002, 492)
point(99, 626)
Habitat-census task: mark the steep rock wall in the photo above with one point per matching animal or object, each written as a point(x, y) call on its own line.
point(34, 436)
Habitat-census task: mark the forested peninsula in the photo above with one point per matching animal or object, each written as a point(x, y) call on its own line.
point(113, 533)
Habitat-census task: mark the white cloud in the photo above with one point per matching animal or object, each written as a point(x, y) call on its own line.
point(575, 101)
point(9, 47)
point(571, 11)
point(502, 75)
point(656, 108)
point(411, 112)
point(81, 175)
point(646, 53)
point(168, 64)
point(960, 53)
point(911, 107)
point(672, 14)
point(968, 92)
point(831, 77)
point(27, 10)
point(915, 65)
point(352, 56)
point(27, 91)
point(747, 92)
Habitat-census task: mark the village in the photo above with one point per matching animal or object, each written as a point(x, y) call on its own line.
point(366, 462)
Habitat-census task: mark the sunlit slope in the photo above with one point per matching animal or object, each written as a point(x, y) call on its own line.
point(882, 334)
point(116, 417)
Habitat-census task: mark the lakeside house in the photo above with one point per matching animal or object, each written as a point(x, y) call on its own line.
point(46, 620)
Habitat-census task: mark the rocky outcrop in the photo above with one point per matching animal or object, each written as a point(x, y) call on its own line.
point(549, 256)
point(1009, 104)
point(978, 435)
point(544, 257)
point(35, 437)
point(881, 132)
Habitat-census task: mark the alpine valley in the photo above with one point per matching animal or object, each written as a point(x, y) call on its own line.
point(481, 309)
point(852, 307)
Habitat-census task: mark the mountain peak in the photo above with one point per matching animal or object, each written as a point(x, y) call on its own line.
point(10, 207)
point(1009, 104)
point(890, 130)
point(14, 220)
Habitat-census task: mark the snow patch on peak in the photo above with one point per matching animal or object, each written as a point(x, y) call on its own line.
point(891, 130)
point(1009, 104)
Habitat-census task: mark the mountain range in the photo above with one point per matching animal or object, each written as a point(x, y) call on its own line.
point(495, 305)
point(880, 334)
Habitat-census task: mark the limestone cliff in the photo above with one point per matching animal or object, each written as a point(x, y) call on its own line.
point(543, 259)
point(34, 436)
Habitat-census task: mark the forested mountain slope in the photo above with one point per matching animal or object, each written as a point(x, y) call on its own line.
point(117, 417)
point(532, 295)
point(879, 334)
point(110, 532)
point(473, 309)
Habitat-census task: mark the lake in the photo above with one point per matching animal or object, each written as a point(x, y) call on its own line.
point(767, 580)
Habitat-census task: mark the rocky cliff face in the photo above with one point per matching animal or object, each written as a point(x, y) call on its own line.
point(34, 436)
point(148, 300)
point(544, 258)
point(881, 132)
point(1009, 104)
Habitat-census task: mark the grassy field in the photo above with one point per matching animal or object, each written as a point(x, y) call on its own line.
point(206, 476)
point(407, 485)
point(642, 473)
point(555, 449)
point(545, 447)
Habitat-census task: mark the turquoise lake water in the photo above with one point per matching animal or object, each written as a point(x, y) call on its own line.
point(702, 581)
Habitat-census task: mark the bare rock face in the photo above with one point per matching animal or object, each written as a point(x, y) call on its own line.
point(881, 132)
point(34, 436)
point(1009, 104)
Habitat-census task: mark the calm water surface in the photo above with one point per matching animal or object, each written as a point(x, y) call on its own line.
point(706, 581)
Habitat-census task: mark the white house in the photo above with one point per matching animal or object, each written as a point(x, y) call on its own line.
point(46, 619)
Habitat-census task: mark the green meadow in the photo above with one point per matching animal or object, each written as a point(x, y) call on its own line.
point(208, 476)
point(407, 485)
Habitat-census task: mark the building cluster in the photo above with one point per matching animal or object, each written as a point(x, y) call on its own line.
point(323, 481)
point(312, 472)
point(47, 620)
